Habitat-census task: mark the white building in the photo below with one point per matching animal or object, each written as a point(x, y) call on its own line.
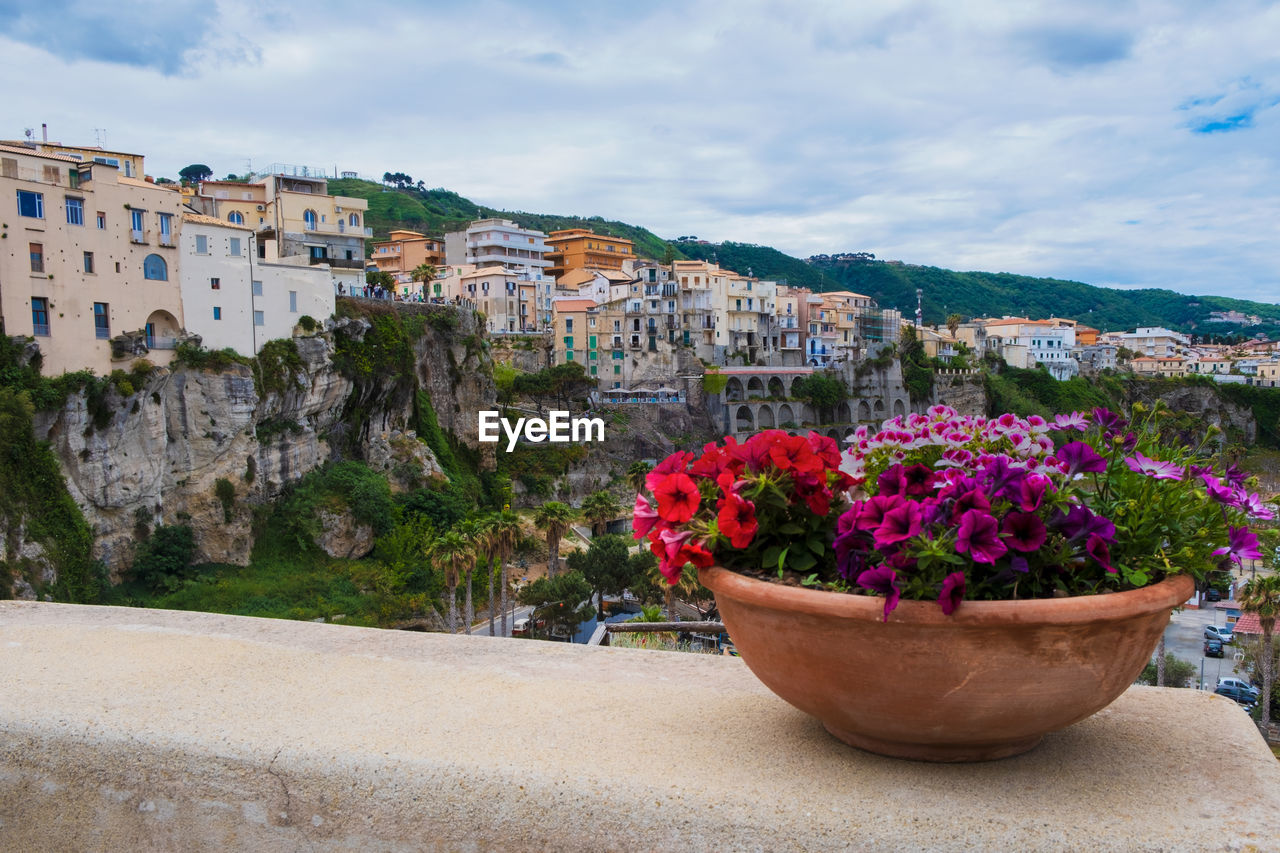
point(236, 300)
point(500, 243)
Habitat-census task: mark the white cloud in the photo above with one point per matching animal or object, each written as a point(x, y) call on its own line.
point(1021, 138)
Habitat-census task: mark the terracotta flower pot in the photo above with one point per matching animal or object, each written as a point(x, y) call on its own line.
point(986, 682)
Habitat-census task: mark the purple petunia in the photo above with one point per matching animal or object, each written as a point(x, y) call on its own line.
point(979, 536)
point(952, 592)
point(1110, 422)
point(1154, 468)
point(899, 524)
point(1023, 531)
point(1080, 458)
point(1079, 522)
point(883, 580)
point(1097, 548)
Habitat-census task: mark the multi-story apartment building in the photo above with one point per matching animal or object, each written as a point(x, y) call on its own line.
point(500, 243)
point(294, 216)
point(792, 323)
point(576, 334)
point(1151, 340)
point(233, 299)
point(404, 251)
point(581, 248)
point(89, 264)
point(1047, 342)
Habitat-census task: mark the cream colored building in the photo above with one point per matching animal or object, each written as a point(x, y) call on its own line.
point(88, 255)
point(233, 299)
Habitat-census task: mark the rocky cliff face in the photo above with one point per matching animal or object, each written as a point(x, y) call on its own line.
point(165, 449)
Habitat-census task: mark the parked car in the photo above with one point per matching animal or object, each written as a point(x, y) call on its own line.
point(1241, 697)
point(1213, 649)
point(1223, 633)
point(1212, 595)
point(1239, 684)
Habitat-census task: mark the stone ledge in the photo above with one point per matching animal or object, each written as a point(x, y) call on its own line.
point(159, 730)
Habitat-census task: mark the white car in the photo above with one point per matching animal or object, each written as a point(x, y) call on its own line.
point(1213, 632)
point(1239, 684)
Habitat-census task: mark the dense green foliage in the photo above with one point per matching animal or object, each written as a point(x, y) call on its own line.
point(435, 211)
point(163, 561)
point(1177, 672)
point(559, 602)
point(822, 391)
point(1035, 392)
point(917, 371)
point(1265, 404)
point(605, 566)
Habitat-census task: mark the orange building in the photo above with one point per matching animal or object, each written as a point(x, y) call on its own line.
point(405, 251)
point(581, 248)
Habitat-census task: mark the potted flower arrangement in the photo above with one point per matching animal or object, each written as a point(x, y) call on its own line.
point(951, 587)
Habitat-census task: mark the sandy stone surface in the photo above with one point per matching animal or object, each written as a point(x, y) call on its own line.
point(125, 729)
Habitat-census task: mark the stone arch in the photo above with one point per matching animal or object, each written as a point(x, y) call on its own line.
point(898, 408)
point(834, 433)
point(776, 388)
point(786, 415)
point(864, 411)
point(878, 406)
point(755, 387)
point(767, 420)
point(744, 422)
point(161, 329)
point(843, 416)
point(733, 390)
point(794, 382)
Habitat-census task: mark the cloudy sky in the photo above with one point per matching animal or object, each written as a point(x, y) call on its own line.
point(1117, 143)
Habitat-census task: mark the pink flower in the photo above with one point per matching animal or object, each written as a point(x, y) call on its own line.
point(1153, 468)
point(1097, 548)
point(1024, 531)
point(979, 536)
point(883, 580)
point(952, 592)
point(899, 524)
point(644, 517)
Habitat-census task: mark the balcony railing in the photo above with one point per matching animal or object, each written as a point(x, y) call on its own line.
point(40, 329)
point(103, 334)
point(340, 263)
point(154, 342)
point(138, 236)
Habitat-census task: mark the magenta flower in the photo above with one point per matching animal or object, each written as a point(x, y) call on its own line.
point(883, 580)
point(1242, 544)
point(1252, 504)
point(1220, 493)
point(645, 517)
point(1109, 421)
point(952, 592)
point(1153, 468)
point(979, 536)
point(973, 499)
point(1079, 522)
point(899, 524)
point(1080, 458)
point(918, 480)
point(872, 512)
point(1023, 531)
point(851, 553)
point(1097, 548)
point(891, 482)
point(1033, 490)
point(1075, 420)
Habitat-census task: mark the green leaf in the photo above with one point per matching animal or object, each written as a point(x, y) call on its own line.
point(803, 561)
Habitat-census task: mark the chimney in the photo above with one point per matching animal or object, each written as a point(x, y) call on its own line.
point(44, 132)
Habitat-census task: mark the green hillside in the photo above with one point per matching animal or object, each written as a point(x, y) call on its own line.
point(971, 294)
point(891, 283)
point(435, 211)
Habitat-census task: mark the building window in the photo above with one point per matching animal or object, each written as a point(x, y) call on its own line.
point(258, 319)
point(202, 244)
point(101, 321)
point(31, 204)
point(40, 316)
point(215, 284)
point(88, 262)
point(293, 301)
point(235, 217)
point(568, 325)
point(102, 221)
point(166, 229)
point(75, 211)
point(235, 247)
point(309, 219)
point(319, 253)
point(257, 288)
point(155, 269)
point(217, 312)
point(37, 257)
point(354, 220)
point(138, 218)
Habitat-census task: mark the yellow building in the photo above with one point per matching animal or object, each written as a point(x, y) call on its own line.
point(577, 337)
point(130, 165)
point(89, 263)
point(581, 248)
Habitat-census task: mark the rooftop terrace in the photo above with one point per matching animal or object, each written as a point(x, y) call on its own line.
point(133, 729)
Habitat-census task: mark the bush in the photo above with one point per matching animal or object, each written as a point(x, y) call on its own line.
point(1177, 672)
point(225, 491)
point(308, 323)
point(163, 563)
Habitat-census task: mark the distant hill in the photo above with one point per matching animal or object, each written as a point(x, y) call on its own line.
point(890, 283)
point(435, 211)
point(972, 294)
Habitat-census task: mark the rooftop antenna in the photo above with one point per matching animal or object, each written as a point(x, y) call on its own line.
point(30, 133)
point(100, 134)
point(919, 308)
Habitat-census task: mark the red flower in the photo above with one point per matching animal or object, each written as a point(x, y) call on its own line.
point(675, 462)
point(825, 448)
point(737, 520)
point(677, 495)
point(793, 453)
point(644, 518)
point(675, 550)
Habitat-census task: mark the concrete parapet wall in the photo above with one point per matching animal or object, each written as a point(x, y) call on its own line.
point(154, 730)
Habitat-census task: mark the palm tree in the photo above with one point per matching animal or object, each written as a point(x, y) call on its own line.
point(472, 529)
point(1262, 596)
point(454, 553)
point(636, 474)
point(423, 273)
point(555, 519)
point(487, 546)
point(599, 509)
point(504, 533)
point(953, 323)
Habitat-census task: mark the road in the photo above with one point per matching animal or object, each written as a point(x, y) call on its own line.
point(481, 629)
point(1184, 638)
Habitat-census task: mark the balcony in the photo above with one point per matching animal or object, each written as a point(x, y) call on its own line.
point(154, 342)
point(103, 334)
point(138, 236)
point(40, 330)
point(339, 263)
point(144, 729)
